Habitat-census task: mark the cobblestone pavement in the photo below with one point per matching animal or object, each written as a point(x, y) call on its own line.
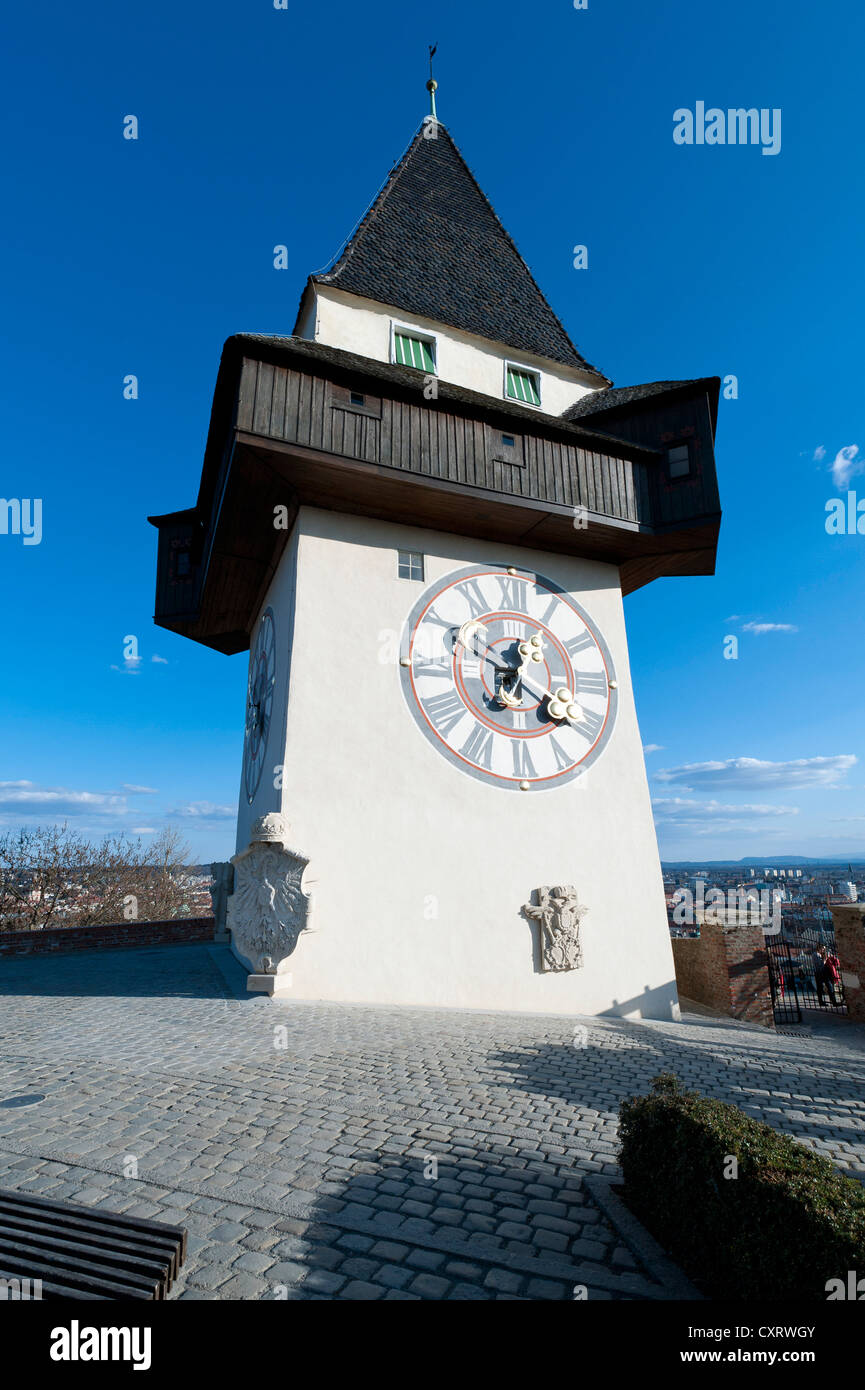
point(321, 1151)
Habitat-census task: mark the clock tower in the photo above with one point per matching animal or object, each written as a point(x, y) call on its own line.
point(420, 513)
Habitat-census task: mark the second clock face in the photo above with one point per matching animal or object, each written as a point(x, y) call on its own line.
point(259, 701)
point(507, 677)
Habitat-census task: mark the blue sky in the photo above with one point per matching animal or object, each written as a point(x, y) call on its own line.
point(260, 126)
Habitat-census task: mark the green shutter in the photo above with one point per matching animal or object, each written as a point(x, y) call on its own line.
point(413, 352)
point(522, 386)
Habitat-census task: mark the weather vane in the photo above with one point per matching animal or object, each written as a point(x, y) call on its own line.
point(432, 84)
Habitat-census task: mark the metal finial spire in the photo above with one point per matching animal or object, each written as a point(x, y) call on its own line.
point(432, 84)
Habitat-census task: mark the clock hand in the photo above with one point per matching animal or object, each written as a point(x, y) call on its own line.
point(529, 651)
point(468, 638)
point(560, 703)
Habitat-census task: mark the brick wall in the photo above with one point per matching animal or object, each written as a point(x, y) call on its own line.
point(849, 923)
point(177, 931)
point(726, 970)
point(701, 969)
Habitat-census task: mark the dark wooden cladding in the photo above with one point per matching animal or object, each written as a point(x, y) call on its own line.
point(310, 432)
point(683, 420)
point(177, 568)
point(428, 438)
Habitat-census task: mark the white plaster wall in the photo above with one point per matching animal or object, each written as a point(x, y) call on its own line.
point(364, 326)
point(421, 871)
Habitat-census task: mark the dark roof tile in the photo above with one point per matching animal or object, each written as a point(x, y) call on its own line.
point(615, 396)
point(432, 245)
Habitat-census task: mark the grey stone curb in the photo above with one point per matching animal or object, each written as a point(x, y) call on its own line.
point(676, 1284)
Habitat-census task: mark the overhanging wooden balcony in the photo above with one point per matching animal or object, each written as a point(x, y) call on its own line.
point(297, 423)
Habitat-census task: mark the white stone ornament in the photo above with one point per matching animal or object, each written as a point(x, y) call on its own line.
point(269, 909)
point(559, 915)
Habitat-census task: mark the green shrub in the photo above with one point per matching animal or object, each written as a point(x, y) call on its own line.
point(784, 1226)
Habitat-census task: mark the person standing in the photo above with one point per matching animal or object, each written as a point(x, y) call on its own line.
point(828, 977)
point(833, 970)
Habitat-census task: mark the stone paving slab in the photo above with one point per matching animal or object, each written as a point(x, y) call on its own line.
point(327, 1151)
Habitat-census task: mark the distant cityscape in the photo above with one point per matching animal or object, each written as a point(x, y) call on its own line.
point(796, 894)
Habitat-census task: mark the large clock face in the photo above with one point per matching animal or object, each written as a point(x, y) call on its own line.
point(507, 677)
point(259, 702)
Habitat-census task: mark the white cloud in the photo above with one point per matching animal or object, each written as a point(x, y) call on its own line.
point(759, 628)
point(162, 660)
point(131, 666)
point(30, 799)
point(143, 830)
point(754, 772)
point(204, 810)
point(139, 791)
point(819, 453)
point(846, 464)
point(653, 747)
point(677, 809)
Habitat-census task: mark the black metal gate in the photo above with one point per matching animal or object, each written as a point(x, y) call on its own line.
point(797, 980)
point(785, 1001)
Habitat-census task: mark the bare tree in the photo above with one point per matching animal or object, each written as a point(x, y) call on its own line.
point(52, 876)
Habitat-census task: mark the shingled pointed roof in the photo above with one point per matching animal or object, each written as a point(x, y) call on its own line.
point(432, 245)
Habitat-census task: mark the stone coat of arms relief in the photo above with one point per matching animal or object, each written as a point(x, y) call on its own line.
point(558, 914)
point(269, 910)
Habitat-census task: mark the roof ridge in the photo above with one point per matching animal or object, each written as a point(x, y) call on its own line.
point(344, 250)
point(564, 351)
point(522, 260)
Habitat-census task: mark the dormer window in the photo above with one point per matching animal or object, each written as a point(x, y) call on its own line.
point(412, 349)
point(522, 384)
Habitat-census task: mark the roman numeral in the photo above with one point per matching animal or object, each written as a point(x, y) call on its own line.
point(561, 757)
point(431, 616)
point(478, 747)
point(590, 725)
point(444, 711)
point(514, 593)
point(579, 644)
point(513, 628)
point(547, 618)
point(590, 684)
point(523, 765)
point(474, 597)
point(519, 719)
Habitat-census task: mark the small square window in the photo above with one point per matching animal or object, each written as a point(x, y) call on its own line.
point(409, 564)
point(522, 385)
point(412, 350)
point(679, 461)
point(357, 398)
point(508, 441)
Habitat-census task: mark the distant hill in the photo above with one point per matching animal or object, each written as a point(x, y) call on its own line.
point(769, 861)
